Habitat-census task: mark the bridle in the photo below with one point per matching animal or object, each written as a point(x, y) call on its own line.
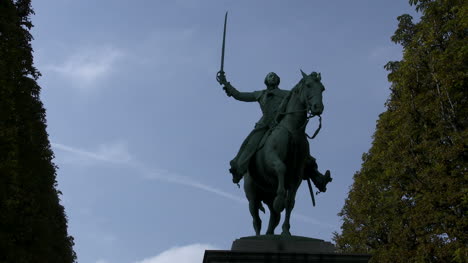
point(308, 117)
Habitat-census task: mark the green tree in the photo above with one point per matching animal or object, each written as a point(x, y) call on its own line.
point(33, 225)
point(409, 201)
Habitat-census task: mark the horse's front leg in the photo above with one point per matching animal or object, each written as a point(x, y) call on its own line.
point(254, 203)
point(275, 152)
point(279, 170)
point(274, 219)
point(290, 201)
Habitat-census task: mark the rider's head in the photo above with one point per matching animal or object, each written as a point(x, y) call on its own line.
point(272, 80)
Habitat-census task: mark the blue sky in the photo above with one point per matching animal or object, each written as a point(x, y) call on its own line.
point(143, 133)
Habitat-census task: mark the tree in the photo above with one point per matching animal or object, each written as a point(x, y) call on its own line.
point(409, 201)
point(33, 225)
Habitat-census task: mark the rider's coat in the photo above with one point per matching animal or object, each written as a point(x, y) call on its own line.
point(269, 100)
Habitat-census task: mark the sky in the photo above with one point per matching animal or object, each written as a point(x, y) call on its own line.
point(143, 134)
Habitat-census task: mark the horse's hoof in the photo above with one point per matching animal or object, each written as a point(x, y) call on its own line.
point(286, 233)
point(279, 203)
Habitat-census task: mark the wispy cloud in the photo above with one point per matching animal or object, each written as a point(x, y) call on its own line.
point(87, 65)
point(166, 176)
point(115, 152)
point(118, 153)
point(186, 254)
point(169, 50)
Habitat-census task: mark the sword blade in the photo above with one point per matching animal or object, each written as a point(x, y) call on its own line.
point(224, 43)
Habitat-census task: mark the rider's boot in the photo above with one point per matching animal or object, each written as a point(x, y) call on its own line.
point(321, 180)
point(236, 175)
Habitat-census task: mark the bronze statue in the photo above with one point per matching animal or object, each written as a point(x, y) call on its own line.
point(274, 158)
point(269, 100)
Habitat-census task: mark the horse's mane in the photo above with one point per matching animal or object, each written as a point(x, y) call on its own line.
point(314, 75)
point(295, 90)
point(284, 103)
point(282, 107)
point(298, 86)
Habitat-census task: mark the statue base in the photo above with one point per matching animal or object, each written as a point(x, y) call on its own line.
point(278, 243)
point(278, 249)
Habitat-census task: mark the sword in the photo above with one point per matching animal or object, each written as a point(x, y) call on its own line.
point(220, 75)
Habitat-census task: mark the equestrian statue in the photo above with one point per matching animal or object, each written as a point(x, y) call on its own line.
point(275, 158)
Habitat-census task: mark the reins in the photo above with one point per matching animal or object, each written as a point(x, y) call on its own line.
point(318, 129)
point(310, 116)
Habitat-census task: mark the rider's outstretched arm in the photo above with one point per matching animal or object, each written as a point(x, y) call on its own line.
point(242, 96)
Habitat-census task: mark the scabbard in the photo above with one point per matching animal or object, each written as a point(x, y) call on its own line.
point(311, 191)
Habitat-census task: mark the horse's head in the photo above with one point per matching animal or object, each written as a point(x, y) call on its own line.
point(311, 92)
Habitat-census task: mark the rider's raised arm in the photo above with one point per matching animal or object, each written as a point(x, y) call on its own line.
point(242, 96)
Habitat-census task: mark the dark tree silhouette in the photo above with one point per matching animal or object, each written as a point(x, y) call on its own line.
point(33, 225)
point(409, 201)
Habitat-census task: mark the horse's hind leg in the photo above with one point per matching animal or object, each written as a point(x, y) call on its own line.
point(290, 202)
point(274, 220)
point(254, 203)
point(257, 222)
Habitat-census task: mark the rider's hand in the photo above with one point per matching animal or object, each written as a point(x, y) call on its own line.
point(221, 78)
point(228, 89)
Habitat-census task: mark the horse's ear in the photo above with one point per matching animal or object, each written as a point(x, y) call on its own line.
point(303, 74)
point(319, 77)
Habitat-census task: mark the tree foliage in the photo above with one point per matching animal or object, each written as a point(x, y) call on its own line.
point(33, 225)
point(409, 201)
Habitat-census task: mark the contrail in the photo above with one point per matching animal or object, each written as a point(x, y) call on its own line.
point(168, 177)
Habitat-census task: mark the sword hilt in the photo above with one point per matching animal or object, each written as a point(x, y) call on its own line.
point(221, 77)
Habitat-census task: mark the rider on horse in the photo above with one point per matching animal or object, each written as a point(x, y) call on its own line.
point(270, 100)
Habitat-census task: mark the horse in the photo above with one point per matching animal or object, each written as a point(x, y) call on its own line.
point(276, 169)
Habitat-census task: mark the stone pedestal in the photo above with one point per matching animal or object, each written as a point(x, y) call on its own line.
point(277, 243)
point(278, 249)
